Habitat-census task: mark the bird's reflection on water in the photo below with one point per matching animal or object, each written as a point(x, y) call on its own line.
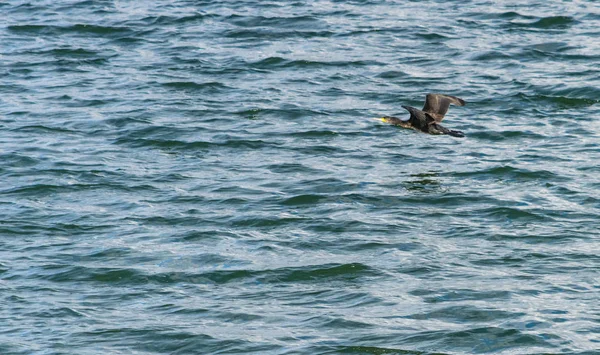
point(424, 182)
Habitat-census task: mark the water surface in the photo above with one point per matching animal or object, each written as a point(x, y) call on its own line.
point(194, 177)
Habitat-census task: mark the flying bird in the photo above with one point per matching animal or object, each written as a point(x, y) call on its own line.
point(428, 119)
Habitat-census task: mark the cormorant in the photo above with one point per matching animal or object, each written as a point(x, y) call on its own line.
point(427, 120)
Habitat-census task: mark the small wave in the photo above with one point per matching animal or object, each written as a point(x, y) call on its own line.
point(278, 62)
point(431, 36)
point(275, 22)
point(43, 129)
point(292, 168)
point(66, 52)
point(323, 272)
point(41, 189)
point(174, 144)
point(506, 135)
point(554, 22)
point(515, 214)
point(261, 34)
point(490, 56)
point(303, 200)
point(437, 296)
point(208, 87)
point(74, 29)
point(393, 74)
point(347, 272)
point(315, 134)
point(499, 15)
point(513, 14)
point(462, 314)
point(270, 222)
point(511, 173)
point(165, 20)
point(374, 350)
point(562, 101)
point(547, 23)
point(337, 323)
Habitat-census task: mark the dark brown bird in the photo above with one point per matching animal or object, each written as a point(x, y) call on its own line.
point(428, 119)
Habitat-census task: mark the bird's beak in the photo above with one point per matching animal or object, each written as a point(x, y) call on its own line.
point(382, 119)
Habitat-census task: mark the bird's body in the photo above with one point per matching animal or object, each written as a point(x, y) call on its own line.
point(428, 119)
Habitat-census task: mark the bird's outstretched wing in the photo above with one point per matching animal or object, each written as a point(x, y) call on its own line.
point(418, 118)
point(437, 105)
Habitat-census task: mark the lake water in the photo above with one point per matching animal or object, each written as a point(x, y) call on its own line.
point(195, 177)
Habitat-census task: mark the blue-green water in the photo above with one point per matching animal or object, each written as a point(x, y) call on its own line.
point(195, 177)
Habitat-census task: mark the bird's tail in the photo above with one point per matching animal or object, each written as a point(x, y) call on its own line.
point(454, 133)
point(443, 130)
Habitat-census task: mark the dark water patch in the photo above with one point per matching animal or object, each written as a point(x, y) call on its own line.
point(510, 173)
point(318, 273)
point(238, 318)
point(393, 74)
point(323, 322)
point(343, 228)
point(469, 23)
point(513, 15)
point(208, 87)
point(275, 22)
point(293, 168)
point(316, 134)
point(78, 29)
point(175, 342)
point(364, 31)
point(376, 350)
point(68, 52)
point(591, 16)
point(499, 15)
point(128, 40)
point(269, 222)
point(288, 112)
point(432, 36)
point(458, 295)
point(63, 64)
point(325, 150)
point(41, 189)
point(421, 270)
point(68, 101)
point(254, 35)
point(179, 145)
point(479, 340)
point(166, 20)
point(376, 245)
point(251, 114)
point(62, 313)
point(546, 23)
point(282, 63)
point(491, 56)
point(551, 47)
point(513, 214)
point(325, 186)
point(323, 273)
point(302, 200)
point(15, 160)
point(559, 101)
point(553, 22)
point(203, 235)
point(13, 89)
point(465, 314)
point(546, 158)
point(506, 135)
